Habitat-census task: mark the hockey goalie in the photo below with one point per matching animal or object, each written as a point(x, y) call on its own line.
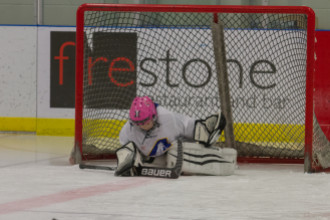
point(152, 136)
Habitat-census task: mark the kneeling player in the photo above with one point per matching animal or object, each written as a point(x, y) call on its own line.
point(150, 139)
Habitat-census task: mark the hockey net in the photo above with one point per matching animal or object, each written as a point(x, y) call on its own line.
point(167, 53)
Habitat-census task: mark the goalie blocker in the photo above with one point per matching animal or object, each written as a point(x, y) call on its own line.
point(197, 160)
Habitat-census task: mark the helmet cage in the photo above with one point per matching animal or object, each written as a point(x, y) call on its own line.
point(141, 122)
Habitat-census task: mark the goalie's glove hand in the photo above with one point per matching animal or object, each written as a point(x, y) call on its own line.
point(209, 130)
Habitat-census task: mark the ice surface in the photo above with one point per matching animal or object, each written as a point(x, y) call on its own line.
point(37, 182)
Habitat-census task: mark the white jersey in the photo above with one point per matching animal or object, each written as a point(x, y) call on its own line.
point(155, 142)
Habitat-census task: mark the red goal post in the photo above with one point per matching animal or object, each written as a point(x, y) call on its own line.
point(128, 50)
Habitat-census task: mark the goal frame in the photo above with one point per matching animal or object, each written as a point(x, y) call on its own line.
point(206, 9)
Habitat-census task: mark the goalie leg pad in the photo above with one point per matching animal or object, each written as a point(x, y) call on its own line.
point(205, 161)
point(209, 130)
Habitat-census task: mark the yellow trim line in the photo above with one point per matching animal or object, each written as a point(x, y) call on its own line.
point(253, 132)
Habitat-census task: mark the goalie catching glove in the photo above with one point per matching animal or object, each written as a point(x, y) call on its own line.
point(209, 130)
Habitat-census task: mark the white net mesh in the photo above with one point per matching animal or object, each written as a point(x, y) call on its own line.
point(169, 56)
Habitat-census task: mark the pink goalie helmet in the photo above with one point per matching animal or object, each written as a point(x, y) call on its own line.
point(142, 110)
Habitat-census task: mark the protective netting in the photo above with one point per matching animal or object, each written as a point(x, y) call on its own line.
point(170, 57)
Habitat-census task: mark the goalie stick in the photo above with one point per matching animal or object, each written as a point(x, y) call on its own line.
point(170, 173)
point(96, 167)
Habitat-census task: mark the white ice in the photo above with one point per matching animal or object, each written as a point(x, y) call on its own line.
point(37, 182)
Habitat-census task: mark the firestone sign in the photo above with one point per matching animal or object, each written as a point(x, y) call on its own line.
point(114, 58)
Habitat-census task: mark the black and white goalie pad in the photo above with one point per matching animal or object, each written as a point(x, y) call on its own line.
point(208, 131)
point(199, 160)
